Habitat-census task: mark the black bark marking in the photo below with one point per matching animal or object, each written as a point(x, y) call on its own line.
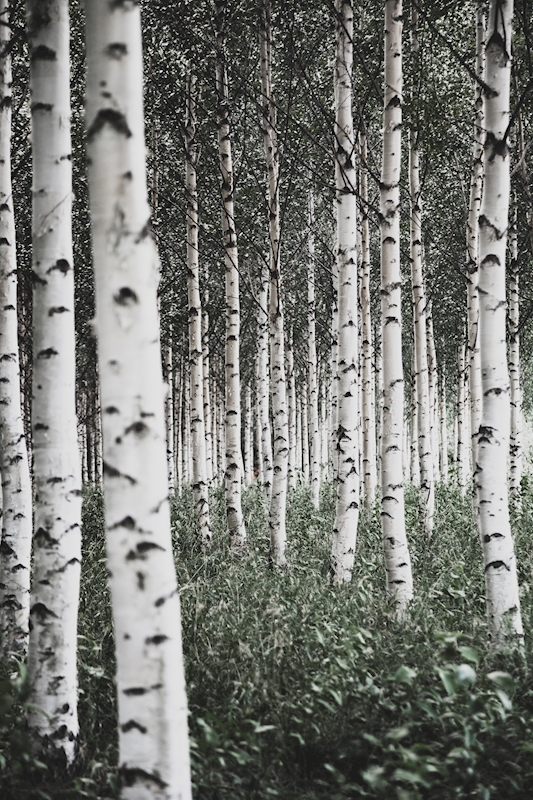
point(57, 310)
point(158, 639)
point(41, 107)
point(140, 581)
point(41, 611)
point(111, 410)
point(489, 536)
point(129, 776)
point(144, 232)
point(132, 725)
point(112, 472)
point(42, 536)
point(5, 549)
point(497, 565)
point(5, 103)
point(43, 53)
point(36, 279)
point(61, 264)
point(127, 522)
point(109, 116)
point(141, 550)
point(48, 353)
point(138, 428)
point(55, 480)
point(135, 691)
point(116, 50)
point(125, 297)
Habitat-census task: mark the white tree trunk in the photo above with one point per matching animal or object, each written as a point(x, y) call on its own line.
point(305, 431)
point(368, 407)
point(248, 437)
point(472, 255)
point(462, 448)
point(195, 432)
point(314, 428)
point(57, 543)
point(208, 417)
point(424, 409)
point(503, 602)
point(443, 428)
point(15, 547)
point(334, 344)
point(414, 465)
point(515, 447)
point(233, 466)
point(169, 417)
point(263, 385)
point(152, 705)
point(433, 389)
point(347, 434)
point(291, 380)
point(278, 499)
point(397, 559)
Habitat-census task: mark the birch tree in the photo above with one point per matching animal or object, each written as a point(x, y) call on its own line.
point(15, 547)
point(397, 559)
point(347, 434)
point(263, 384)
point(503, 602)
point(515, 447)
point(314, 430)
point(57, 543)
point(278, 501)
point(152, 706)
point(233, 467)
point(195, 433)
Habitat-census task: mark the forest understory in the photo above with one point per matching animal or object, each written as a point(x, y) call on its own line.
point(299, 689)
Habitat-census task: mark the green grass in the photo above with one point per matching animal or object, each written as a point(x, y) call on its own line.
point(301, 690)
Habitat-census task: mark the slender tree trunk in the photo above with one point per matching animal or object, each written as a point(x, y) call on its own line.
point(305, 431)
point(462, 449)
point(334, 345)
point(367, 376)
point(263, 385)
point(347, 439)
point(208, 417)
point(314, 428)
point(424, 410)
point(503, 602)
point(443, 428)
point(515, 449)
point(414, 466)
point(258, 431)
point(433, 390)
point(248, 437)
point(15, 547)
point(57, 542)
point(397, 559)
point(195, 434)
point(169, 418)
point(278, 500)
point(152, 705)
point(179, 428)
point(291, 380)
point(233, 472)
point(472, 256)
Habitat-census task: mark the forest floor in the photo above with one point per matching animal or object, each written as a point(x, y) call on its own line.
point(302, 691)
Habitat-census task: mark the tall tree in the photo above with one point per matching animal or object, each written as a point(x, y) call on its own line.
point(397, 559)
point(57, 541)
point(278, 500)
point(15, 547)
point(503, 602)
point(347, 432)
point(233, 468)
point(152, 706)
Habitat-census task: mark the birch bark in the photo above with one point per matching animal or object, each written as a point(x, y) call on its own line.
point(462, 449)
point(503, 602)
point(515, 446)
point(195, 433)
point(472, 255)
point(278, 502)
point(291, 380)
point(152, 706)
point(57, 542)
point(367, 374)
point(347, 434)
point(263, 385)
point(397, 559)
point(233, 468)
point(15, 547)
point(314, 429)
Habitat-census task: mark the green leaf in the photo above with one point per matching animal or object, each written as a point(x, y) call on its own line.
point(502, 680)
point(465, 674)
point(448, 679)
point(405, 674)
point(469, 653)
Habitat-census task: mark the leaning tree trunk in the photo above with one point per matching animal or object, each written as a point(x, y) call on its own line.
point(195, 433)
point(15, 547)
point(347, 434)
point(314, 429)
point(152, 705)
point(278, 501)
point(233, 466)
point(57, 542)
point(503, 602)
point(397, 559)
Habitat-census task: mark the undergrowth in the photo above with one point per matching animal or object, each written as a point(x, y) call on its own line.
point(301, 690)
